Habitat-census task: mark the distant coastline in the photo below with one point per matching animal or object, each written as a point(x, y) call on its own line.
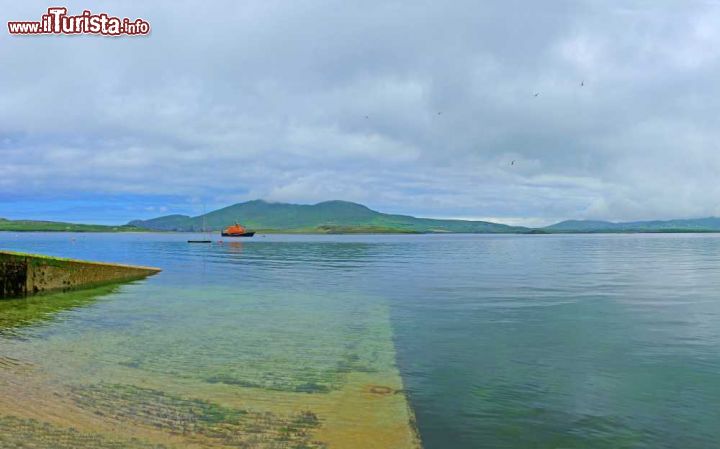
point(56, 226)
point(343, 217)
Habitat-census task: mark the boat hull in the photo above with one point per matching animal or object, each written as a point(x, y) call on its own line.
point(235, 234)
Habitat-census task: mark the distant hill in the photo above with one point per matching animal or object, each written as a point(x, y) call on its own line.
point(325, 217)
point(56, 226)
point(710, 224)
point(343, 217)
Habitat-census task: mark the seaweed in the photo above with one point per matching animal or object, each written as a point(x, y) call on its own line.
point(18, 432)
point(198, 419)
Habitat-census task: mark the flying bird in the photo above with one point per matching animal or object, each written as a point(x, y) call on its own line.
point(537, 94)
point(512, 163)
point(582, 83)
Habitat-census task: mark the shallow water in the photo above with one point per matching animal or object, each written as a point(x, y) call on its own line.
point(599, 341)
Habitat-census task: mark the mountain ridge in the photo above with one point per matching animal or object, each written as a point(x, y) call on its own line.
point(326, 216)
point(345, 217)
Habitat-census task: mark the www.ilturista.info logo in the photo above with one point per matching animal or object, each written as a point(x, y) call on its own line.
point(56, 21)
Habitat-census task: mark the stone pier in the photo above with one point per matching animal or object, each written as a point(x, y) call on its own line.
point(29, 274)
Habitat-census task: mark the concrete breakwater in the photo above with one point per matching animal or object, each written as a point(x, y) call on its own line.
point(29, 274)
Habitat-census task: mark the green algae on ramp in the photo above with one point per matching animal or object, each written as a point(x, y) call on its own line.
point(219, 367)
point(23, 274)
point(18, 432)
point(198, 420)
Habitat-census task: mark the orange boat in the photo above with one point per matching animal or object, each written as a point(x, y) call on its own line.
point(237, 230)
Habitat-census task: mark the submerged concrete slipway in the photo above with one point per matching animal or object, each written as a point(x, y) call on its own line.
point(219, 352)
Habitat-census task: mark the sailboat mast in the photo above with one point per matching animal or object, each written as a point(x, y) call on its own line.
point(205, 220)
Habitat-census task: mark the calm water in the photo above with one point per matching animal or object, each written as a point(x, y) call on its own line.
point(502, 341)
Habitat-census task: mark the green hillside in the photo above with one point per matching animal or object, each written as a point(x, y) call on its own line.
point(56, 226)
point(325, 217)
point(710, 224)
point(343, 217)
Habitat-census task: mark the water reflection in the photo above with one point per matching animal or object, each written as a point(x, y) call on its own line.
point(34, 310)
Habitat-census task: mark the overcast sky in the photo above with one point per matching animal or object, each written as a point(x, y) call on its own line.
point(414, 107)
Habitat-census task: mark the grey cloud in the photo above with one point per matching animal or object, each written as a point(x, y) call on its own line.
point(414, 107)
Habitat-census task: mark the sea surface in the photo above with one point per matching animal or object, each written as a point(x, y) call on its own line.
point(480, 341)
